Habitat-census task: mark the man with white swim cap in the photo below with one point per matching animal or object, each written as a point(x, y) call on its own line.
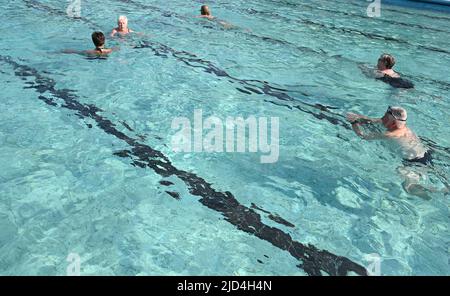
point(394, 128)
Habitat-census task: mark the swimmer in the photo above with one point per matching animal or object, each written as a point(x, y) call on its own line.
point(394, 128)
point(122, 27)
point(385, 73)
point(98, 38)
point(205, 12)
point(384, 66)
point(394, 122)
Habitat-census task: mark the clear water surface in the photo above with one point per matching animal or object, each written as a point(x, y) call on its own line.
point(65, 189)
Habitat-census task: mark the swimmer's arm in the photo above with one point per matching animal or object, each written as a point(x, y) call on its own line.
point(142, 34)
point(356, 129)
point(113, 32)
point(369, 136)
point(378, 74)
point(361, 119)
point(357, 120)
point(367, 71)
point(106, 52)
point(73, 51)
point(205, 16)
point(95, 53)
point(226, 25)
point(374, 136)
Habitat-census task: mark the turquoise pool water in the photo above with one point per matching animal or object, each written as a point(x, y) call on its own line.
point(88, 168)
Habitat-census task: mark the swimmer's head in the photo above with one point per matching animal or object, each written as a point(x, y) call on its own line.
point(204, 10)
point(98, 38)
point(385, 61)
point(395, 117)
point(122, 22)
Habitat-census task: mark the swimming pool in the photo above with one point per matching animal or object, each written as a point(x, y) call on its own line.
point(88, 167)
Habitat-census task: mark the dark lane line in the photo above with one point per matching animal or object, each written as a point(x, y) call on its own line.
point(363, 5)
point(312, 260)
point(350, 31)
point(387, 21)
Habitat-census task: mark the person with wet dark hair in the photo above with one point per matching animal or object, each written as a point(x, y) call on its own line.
point(99, 39)
point(205, 12)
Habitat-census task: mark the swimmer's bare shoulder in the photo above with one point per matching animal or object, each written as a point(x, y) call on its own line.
point(104, 52)
point(209, 17)
point(91, 52)
point(71, 51)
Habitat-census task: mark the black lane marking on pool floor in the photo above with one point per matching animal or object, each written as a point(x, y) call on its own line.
point(174, 194)
point(313, 261)
point(166, 183)
point(273, 217)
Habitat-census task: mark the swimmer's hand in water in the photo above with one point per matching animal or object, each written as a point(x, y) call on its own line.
point(357, 120)
point(226, 25)
point(369, 71)
point(353, 117)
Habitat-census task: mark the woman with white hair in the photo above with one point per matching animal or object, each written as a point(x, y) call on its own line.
point(122, 27)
